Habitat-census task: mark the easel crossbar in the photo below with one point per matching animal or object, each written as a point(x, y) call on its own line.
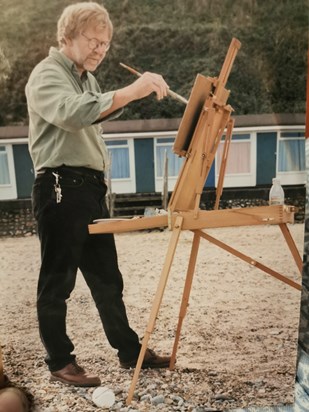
point(248, 259)
point(203, 219)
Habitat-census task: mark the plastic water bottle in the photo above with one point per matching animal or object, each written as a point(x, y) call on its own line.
point(276, 194)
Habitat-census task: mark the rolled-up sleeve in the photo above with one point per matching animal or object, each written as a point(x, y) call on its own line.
point(58, 103)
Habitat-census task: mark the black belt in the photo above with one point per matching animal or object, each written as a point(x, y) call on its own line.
point(73, 170)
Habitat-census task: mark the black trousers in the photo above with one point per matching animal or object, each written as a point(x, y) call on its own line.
point(66, 246)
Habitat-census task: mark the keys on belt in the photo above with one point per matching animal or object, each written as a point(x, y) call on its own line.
point(66, 170)
point(57, 188)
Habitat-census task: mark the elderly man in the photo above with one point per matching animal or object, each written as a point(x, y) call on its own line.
point(65, 105)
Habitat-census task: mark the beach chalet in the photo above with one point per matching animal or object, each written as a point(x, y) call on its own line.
point(262, 147)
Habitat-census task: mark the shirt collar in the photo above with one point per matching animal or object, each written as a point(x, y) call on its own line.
point(68, 64)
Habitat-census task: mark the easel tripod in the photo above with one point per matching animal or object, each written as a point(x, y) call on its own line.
point(206, 117)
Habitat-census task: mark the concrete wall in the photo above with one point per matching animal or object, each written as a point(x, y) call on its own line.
point(16, 217)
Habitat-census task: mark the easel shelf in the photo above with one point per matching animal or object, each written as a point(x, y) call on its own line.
point(205, 219)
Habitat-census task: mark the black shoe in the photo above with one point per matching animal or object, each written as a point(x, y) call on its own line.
point(151, 360)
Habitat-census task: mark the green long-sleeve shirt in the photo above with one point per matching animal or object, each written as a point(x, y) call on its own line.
point(62, 110)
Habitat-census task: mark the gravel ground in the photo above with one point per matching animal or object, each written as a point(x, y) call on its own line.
point(238, 341)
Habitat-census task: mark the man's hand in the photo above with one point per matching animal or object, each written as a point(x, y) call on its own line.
point(146, 84)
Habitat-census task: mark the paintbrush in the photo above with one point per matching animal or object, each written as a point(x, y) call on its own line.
point(174, 95)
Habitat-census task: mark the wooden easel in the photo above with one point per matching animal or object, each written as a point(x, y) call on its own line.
point(202, 126)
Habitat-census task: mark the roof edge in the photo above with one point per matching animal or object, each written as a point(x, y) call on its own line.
point(156, 125)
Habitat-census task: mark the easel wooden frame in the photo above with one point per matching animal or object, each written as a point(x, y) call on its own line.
point(206, 117)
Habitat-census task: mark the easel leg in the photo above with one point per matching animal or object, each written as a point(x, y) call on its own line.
point(249, 260)
point(292, 246)
point(156, 303)
point(225, 153)
point(186, 294)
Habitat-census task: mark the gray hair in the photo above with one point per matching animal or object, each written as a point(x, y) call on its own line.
point(77, 17)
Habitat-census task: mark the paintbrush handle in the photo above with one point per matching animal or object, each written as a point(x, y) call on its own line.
point(170, 92)
point(177, 96)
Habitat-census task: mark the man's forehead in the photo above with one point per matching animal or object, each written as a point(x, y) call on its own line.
point(100, 32)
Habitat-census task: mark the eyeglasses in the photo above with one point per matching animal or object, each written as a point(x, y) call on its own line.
point(95, 43)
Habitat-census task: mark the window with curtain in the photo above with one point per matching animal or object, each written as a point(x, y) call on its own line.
point(239, 155)
point(291, 153)
point(174, 161)
point(4, 167)
point(119, 154)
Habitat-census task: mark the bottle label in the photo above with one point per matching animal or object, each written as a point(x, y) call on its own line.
point(276, 201)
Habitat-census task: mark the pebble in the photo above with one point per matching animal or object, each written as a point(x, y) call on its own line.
point(157, 399)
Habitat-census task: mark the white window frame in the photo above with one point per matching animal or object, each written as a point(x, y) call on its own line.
point(159, 179)
point(292, 177)
point(9, 191)
point(239, 179)
point(123, 185)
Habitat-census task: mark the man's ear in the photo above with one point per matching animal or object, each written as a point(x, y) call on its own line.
point(66, 41)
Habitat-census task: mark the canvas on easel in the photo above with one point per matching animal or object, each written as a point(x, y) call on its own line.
point(205, 120)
